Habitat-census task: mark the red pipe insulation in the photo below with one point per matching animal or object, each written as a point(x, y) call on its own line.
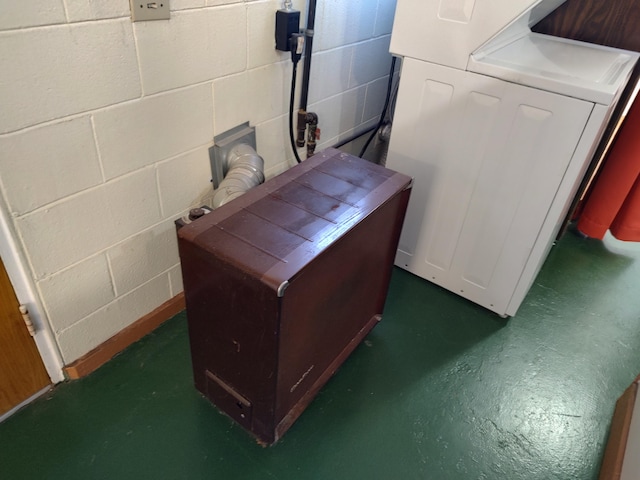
point(614, 203)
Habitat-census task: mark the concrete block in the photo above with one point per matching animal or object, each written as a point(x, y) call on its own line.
point(254, 96)
point(49, 163)
point(193, 47)
point(330, 71)
point(144, 299)
point(277, 169)
point(54, 72)
point(355, 146)
point(371, 60)
point(384, 17)
point(269, 91)
point(340, 113)
point(143, 257)
point(261, 34)
point(186, 4)
point(76, 292)
point(183, 181)
point(133, 202)
point(146, 131)
point(344, 23)
point(67, 232)
point(84, 224)
point(273, 142)
point(83, 336)
point(374, 100)
point(232, 101)
point(80, 10)
point(31, 13)
point(175, 278)
point(213, 3)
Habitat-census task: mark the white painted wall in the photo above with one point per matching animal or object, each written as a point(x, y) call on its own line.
point(106, 125)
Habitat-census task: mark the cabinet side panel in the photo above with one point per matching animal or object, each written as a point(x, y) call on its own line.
point(233, 329)
point(331, 301)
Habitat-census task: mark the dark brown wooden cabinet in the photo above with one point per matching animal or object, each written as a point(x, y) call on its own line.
point(613, 23)
point(284, 282)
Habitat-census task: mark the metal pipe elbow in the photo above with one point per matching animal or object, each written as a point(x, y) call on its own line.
point(245, 171)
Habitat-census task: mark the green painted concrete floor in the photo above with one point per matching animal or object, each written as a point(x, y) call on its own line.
point(441, 389)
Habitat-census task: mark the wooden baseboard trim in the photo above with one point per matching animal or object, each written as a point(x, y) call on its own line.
point(116, 344)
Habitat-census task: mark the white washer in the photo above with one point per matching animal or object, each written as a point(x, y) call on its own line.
point(498, 126)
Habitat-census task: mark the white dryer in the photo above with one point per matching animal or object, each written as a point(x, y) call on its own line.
point(498, 126)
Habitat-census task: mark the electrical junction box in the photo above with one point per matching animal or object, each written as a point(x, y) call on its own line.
point(287, 23)
point(284, 282)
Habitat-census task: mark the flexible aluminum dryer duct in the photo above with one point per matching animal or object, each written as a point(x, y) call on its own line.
point(245, 171)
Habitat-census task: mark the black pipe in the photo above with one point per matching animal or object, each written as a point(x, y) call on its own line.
point(353, 137)
point(308, 33)
point(303, 119)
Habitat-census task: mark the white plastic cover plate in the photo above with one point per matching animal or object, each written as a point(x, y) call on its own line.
point(576, 69)
point(144, 10)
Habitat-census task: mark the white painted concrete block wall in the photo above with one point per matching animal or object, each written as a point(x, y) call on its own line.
point(106, 126)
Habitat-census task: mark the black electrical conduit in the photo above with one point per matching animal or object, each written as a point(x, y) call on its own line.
point(305, 118)
point(308, 33)
point(304, 95)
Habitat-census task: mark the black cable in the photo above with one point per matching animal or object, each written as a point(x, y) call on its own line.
point(294, 76)
point(384, 109)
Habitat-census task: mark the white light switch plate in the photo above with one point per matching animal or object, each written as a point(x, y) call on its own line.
point(144, 10)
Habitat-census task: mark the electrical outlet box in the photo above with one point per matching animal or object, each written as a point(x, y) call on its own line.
point(145, 10)
point(287, 23)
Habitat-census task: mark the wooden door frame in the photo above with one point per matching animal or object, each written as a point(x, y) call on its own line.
point(24, 287)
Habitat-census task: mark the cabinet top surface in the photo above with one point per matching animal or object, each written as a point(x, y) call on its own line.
point(278, 227)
